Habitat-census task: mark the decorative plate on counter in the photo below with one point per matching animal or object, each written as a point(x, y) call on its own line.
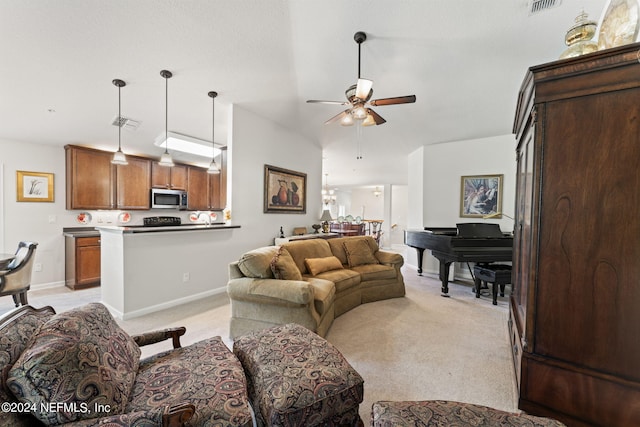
point(193, 216)
point(124, 217)
point(213, 216)
point(84, 218)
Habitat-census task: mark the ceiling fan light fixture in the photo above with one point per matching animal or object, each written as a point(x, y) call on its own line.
point(359, 112)
point(347, 120)
point(369, 121)
point(364, 89)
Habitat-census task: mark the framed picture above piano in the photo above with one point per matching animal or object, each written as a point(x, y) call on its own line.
point(481, 196)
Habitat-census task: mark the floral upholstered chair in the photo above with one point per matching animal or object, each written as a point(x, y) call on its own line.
point(79, 368)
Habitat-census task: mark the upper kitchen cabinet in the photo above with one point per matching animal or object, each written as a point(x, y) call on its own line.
point(94, 183)
point(174, 178)
point(132, 184)
point(90, 179)
point(208, 191)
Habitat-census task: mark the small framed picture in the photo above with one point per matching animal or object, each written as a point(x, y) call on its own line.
point(285, 191)
point(34, 186)
point(480, 196)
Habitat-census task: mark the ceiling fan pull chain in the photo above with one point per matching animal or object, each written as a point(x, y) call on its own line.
point(358, 142)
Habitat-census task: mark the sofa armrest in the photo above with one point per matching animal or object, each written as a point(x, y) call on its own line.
point(153, 337)
point(390, 258)
point(274, 291)
point(169, 416)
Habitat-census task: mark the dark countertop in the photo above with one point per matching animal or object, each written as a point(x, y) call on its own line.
point(134, 229)
point(80, 232)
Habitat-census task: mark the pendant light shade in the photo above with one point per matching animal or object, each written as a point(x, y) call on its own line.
point(118, 157)
point(165, 159)
point(213, 167)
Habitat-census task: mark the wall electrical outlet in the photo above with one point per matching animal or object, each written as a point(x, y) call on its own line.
point(186, 277)
point(37, 266)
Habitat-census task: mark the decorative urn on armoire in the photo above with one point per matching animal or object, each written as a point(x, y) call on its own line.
point(575, 306)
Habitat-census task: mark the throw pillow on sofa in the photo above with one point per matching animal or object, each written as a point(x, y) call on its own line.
point(284, 267)
point(81, 362)
point(359, 252)
point(320, 265)
point(257, 263)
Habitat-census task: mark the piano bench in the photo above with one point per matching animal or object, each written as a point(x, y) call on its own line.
point(498, 274)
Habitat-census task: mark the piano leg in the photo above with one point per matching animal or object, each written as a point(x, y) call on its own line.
point(420, 254)
point(444, 277)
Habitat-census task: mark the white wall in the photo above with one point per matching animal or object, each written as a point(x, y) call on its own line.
point(435, 172)
point(256, 141)
point(40, 222)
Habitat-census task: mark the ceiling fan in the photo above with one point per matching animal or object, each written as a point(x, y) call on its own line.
point(358, 99)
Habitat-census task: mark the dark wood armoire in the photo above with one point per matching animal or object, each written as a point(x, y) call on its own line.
point(575, 306)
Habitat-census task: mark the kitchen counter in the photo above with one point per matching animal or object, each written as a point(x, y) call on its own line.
point(160, 229)
point(145, 269)
point(80, 232)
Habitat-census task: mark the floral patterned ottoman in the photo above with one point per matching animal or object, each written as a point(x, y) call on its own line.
point(297, 378)
point(446, 413)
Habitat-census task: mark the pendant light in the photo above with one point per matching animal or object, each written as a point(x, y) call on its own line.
point(166, 159)
point(213, 167)
point(118, 157)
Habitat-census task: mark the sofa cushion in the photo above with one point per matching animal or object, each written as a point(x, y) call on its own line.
point(284, 267)
point(359, 252)
point(343, 279)
point(206, 374)
point(316, 266)
point(80, 358)
point(303, 249)
point(257, 263)
point(369, 272)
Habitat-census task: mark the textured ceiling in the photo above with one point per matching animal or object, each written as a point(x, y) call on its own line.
point(463, 59)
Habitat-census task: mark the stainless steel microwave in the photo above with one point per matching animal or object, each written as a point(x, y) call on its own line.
point(168, 199)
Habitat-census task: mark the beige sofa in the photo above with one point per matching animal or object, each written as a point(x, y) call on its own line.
point(310, 282)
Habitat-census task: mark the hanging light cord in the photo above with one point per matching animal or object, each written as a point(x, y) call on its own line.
point(119, 121)
point(166, 114)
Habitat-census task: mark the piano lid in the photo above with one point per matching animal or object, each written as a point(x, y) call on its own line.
point(478, 229)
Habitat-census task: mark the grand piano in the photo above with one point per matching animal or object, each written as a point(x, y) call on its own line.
point(467, 242)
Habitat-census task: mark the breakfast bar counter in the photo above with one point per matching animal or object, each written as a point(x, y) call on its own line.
point(146, 269)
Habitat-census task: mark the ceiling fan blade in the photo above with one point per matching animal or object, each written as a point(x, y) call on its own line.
point(377, 118)
point(337, 117)
point(363, 89)
point(391, 101)
point(315, 101)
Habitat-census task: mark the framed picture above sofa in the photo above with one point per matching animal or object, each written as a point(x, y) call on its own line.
point(285, 191)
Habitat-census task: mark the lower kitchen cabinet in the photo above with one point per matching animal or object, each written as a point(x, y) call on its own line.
point(82, 261)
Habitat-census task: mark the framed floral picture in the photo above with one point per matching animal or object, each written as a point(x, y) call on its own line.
point(481, 195)
point(34, 186)
point(285, 191)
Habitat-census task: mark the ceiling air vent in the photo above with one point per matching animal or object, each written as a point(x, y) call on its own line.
point(125, 123)
point(536, 6)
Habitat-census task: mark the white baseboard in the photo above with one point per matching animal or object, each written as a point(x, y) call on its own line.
point(158, 307)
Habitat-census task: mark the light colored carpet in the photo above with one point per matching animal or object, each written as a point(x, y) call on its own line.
point(419, 347)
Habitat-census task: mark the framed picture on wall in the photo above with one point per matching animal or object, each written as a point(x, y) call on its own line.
point(34, 186)
point(481, 196)
point(285, 191)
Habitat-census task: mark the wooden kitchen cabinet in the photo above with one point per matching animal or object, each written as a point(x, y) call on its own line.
point(132, 184)
point(198, 188)
point(90, 179)
point(174, 178)
point(208, 191)
point(94, 183)
point(574, 307)
point(82, 262)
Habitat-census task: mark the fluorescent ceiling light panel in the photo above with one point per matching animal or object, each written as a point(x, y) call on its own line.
point(187, 144)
